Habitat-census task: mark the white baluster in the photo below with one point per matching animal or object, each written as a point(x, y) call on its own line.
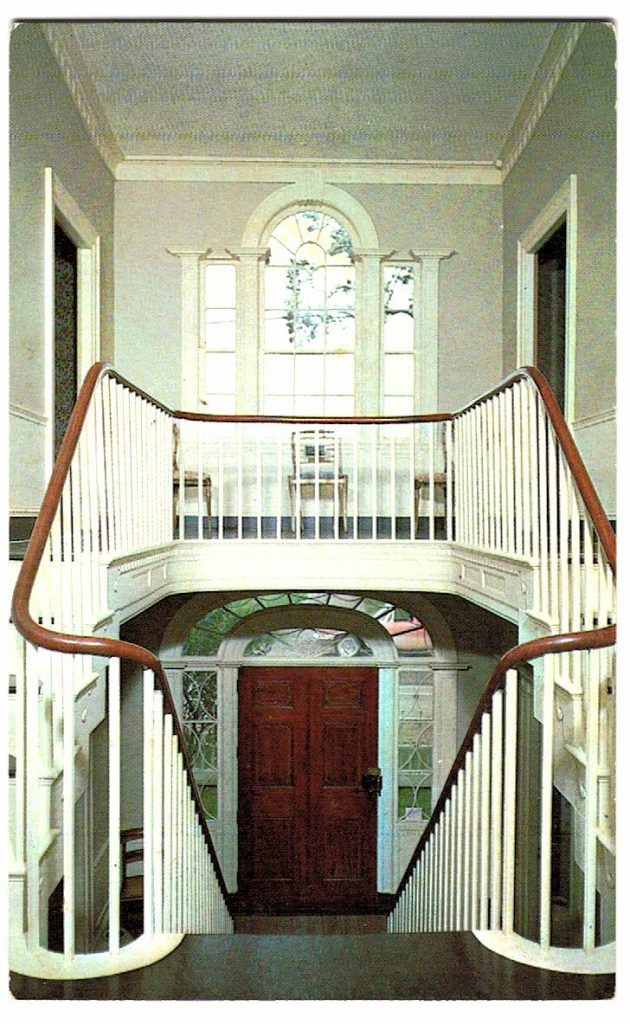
point(113, 693)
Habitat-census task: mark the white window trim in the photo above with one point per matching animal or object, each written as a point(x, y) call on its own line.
point(60, 206)
point(562, 204)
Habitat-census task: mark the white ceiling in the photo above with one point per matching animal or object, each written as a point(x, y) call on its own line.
point(351, 90)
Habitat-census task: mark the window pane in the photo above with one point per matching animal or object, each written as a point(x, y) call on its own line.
point(398, 375)
point(309, 375)
point(310, 329)
point(279, 375)
point(277, 334)
point(398, 405)
point(220, 285)
point(309, 288)
point(220, 374)
point(340, 287)
point(220, 330)
point(398, 285)
point(398, 333)
point(277, 291)
point(288, 232)
point(340, 375)
point(278, 405)
point(340, 332)
point(220, 405)
point(339, 405)
point(311, 254)
point(309, 405)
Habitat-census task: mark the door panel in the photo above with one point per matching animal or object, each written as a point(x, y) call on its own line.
point(307, 829)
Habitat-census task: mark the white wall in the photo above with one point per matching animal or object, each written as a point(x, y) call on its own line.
point(152, 217)
point(576, 135)
point(46, 131)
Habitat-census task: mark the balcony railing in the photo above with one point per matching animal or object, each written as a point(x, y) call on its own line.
point(337, 479)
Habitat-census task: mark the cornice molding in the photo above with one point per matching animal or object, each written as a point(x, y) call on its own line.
point(555, 59)
point(67, 54)
point(297, 169)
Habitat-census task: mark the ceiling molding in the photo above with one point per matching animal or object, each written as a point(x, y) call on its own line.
point(267, 169)
point(66, 51)
point(553, 63)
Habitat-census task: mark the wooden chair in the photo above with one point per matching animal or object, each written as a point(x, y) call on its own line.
point(131, 886)
point(422, 483)
point(317, 469)
point(191, 479)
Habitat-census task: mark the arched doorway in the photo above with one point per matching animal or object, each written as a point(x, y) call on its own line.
point(212, 639)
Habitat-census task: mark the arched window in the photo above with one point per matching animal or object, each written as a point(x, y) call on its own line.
point(309, 326)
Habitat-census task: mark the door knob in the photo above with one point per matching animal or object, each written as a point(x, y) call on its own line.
point(372, 781)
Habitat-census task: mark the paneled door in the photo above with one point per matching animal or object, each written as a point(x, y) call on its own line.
point(307, 827)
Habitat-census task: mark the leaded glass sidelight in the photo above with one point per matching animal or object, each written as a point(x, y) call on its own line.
point(415, 745)
point(199, 722)
point(309, 317)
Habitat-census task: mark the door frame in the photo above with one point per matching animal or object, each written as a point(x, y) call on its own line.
point(61, 207)
point(562, 205)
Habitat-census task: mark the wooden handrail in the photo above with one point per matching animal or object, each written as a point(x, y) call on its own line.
point(561, 643)
point(579, 471)
point(106, 647)
point(103, 647)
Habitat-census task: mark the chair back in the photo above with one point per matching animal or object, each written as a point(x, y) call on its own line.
point(315, 453)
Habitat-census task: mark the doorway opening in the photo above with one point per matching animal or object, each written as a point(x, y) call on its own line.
point(550, 310)
point(66, 355)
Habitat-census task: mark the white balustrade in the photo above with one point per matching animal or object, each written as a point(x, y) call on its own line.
point(493, 479)
point(485, 826)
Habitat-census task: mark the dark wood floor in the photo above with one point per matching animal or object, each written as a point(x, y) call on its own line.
point(418, 967)
point(307, 924)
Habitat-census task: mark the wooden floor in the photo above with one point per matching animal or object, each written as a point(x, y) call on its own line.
point(375, 967)
point(307, 924)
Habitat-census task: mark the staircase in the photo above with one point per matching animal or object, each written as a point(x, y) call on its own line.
point(515, 491)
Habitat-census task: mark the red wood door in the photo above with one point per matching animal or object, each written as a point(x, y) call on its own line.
point(307, 828)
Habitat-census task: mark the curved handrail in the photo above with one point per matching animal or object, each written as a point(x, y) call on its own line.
point(104, 647)
point(580, 473)
point(561, 643)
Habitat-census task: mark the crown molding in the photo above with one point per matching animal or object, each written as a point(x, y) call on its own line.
point(554, 60)
point(292, 169)
point(67, 54)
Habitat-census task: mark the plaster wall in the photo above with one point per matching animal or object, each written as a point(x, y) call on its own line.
point(152, 217)
point(46, 131)
point(576, 135)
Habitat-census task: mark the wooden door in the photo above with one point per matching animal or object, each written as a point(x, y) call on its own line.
point(307, 828)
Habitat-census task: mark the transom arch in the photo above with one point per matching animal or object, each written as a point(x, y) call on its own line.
point(350, 213)
point(416, 626)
